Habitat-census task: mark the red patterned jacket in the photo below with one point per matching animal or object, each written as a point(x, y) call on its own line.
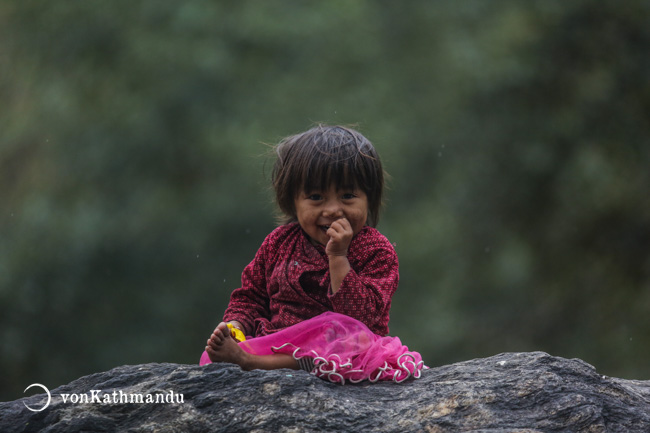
point(288, 281)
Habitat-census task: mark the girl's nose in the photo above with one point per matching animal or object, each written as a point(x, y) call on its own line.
point(333, 210)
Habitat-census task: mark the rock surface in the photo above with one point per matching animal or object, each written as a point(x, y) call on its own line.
point(511, 392)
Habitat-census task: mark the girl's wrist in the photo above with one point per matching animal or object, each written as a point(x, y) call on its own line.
point(235, 324)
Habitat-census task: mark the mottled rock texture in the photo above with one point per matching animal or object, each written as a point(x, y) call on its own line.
point(511, 392)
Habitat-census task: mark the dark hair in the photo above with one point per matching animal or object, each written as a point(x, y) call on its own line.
point(314, 159)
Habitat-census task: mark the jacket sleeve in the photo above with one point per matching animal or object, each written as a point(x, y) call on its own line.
point(250, 302)
point(366, 291)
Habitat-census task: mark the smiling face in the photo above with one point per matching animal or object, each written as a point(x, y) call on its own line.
point(325, 155)
point(317, 210)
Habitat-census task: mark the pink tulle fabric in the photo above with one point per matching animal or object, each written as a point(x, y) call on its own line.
point(342, 348)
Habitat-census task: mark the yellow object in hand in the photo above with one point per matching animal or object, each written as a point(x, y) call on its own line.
point(236, 333)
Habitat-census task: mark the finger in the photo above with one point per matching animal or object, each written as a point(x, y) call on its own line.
point(341, 223)
point(332, 233)
point(339, 230)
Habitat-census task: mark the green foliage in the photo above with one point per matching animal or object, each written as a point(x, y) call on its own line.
point(134, 170)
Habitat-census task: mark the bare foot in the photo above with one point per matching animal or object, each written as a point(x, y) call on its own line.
point(221, 347)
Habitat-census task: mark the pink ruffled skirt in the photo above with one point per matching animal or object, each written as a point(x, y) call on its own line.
point(342, 349)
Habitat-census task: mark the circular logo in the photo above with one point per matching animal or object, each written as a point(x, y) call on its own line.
point(49, 397)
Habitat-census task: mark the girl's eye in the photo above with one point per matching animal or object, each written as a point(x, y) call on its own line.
point(314, 197)
point(348, 196)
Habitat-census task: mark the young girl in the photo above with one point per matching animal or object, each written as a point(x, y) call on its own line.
point(317, 294)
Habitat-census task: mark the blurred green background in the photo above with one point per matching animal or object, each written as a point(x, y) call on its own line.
point(134, 170)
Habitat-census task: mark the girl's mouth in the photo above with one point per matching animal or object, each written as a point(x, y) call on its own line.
point(325, 228)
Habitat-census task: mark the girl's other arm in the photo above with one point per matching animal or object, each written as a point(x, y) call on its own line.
point(250, 301)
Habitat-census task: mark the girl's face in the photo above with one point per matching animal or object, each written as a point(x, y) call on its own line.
point(316, 210)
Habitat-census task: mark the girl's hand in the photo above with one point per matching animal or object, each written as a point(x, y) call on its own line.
point(340, 233)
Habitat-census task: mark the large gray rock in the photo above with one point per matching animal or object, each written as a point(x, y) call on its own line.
point(511, 392)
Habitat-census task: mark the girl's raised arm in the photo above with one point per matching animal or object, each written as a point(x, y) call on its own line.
point(366, 291)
